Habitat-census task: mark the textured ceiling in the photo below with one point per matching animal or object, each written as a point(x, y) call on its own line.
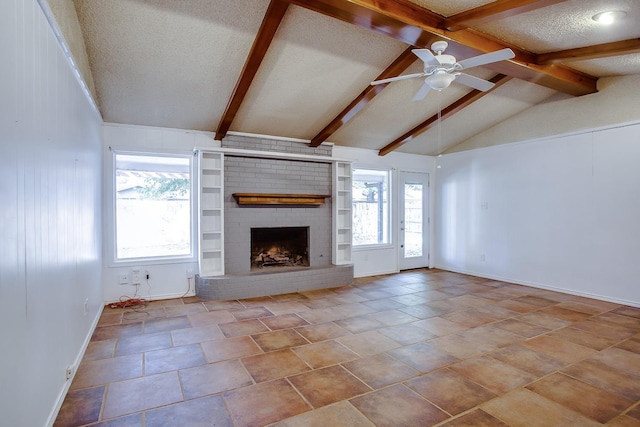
point(566, 25)
point(448, 8)
point(178, 63)
point(314, 66)
point(167, 63)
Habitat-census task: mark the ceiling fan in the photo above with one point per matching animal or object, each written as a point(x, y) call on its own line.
point(441, 69)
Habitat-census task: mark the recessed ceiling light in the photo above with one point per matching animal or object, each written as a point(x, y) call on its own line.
point(609, 17)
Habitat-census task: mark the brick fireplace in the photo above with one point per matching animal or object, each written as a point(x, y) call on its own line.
point(244, 276)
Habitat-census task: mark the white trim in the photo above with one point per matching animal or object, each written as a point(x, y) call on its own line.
point(277, 138)
point(270, 154)
point(391, 210)
point(190, 293)
point(111, 261)
point(372, 247)
point(544, 138)
point(63, 393)
point(48, 14)
point(542, 286)
point(376, 273)
point(412, 262)
point(431, 202)
point(156, 128)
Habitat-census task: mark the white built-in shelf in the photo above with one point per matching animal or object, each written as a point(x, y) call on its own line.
point(211, 206)
point(342, 213)
point(211, 215)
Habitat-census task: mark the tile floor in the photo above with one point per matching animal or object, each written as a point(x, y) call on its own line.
point(419, 348)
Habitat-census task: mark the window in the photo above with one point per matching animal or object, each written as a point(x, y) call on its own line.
point(370, 197)
point(152, 206)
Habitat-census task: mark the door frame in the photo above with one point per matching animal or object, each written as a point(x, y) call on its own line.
point(425, 260)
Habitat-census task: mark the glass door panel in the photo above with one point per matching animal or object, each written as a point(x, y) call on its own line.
point(413, 221)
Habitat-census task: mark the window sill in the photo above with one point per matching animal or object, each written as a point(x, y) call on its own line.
point(384, 246)
point(152, 261)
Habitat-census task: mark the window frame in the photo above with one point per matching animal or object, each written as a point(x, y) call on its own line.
point(110, 201)
point(389, 229)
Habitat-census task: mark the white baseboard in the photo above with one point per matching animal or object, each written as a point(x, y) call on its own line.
point(374, 273)
point(63, 393)
point(544, 286)
point(191, 293)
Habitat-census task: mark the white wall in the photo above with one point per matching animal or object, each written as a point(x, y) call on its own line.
point(615, 102)
point(559, 213)
point(50, 257)
point(167, 279)
point(384, 260)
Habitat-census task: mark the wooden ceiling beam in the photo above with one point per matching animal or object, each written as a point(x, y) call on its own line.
point(604, 50)
point(494, 11)
point(411, 24)
point(447, 112)
point(400, 64)
point(398, 19)
point(270, 23)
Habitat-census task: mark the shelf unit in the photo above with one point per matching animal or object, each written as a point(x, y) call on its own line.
point(342, 213)
point(211, 217)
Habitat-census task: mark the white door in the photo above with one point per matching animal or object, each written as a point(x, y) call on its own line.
point(414, 237)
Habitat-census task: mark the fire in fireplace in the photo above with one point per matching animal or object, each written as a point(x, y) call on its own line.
point(279, 247)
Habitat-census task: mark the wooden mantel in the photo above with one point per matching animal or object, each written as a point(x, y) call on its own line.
point(280, 199)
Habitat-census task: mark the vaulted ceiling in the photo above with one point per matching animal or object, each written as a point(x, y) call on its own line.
point(302, 68)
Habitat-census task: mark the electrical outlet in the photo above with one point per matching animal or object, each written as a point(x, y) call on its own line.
point(189, 273)
point(86, 306)
point(136, 277)
point(123, 278)
point(482, 257)
point(69, 372)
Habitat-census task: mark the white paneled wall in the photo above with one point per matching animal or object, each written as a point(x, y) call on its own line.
point(50, 256)
point(558, 213)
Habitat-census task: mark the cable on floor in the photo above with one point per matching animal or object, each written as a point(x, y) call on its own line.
point(128, 302)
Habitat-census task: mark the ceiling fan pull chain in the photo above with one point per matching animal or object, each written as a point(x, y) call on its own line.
point(439, 124)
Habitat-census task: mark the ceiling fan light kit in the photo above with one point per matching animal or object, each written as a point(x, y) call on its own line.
point(440, 80)
point(440, 70)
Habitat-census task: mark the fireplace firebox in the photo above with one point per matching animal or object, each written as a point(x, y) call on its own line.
point(279, 247)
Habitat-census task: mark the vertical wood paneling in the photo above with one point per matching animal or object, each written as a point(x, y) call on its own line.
point(50, 182)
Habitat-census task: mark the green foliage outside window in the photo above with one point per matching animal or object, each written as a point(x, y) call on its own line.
point(164, 188)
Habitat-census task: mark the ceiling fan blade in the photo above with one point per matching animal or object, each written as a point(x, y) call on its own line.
point(422, 92)
point(426, 56)
point(393, 79)
point(487, 58)
point(474, 82)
